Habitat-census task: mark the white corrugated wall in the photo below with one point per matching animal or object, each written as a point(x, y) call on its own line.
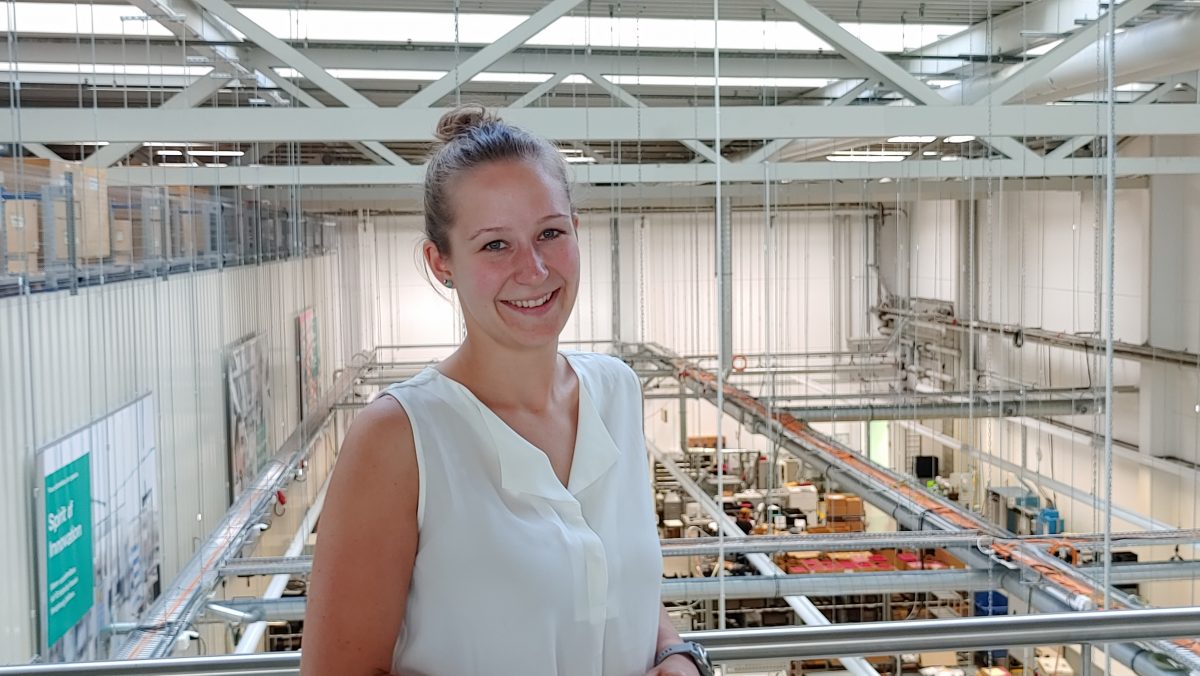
point(67, 360)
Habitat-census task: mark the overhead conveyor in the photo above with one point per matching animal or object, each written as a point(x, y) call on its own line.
point(1050, 584)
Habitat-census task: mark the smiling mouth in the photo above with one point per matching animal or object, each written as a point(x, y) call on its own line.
point(530, 304)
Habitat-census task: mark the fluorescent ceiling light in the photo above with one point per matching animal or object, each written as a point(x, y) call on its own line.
point(398, 27)
point(216, 153)
point(1136, 87)
point(217, 165)
point(880, 153)
point(864, 158)
point(912, 139)
point(930, 153)
point(178, 164)
point(570, 151)
point(959, 139)
point(170, 144)
point(707, 81)
point(580, 159)
point(169, 153)
point(84, 143)
point(950, 158)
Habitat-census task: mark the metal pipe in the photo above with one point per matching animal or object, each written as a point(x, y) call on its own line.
point(1058, 339)
point(968, 633)
point(745, 587)
point(830, 584)
point(980, 408)
point(834, 542)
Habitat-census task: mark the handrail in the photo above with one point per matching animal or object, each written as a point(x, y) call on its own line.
point(840, 640)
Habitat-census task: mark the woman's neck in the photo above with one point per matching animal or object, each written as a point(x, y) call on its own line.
point(531, 380)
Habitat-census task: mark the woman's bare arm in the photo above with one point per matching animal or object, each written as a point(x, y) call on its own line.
point(366, 545)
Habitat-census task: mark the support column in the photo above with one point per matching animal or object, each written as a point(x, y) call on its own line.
point(614, 236)
point(725, 280)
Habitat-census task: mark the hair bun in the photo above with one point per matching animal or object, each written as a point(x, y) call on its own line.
point(461, 120)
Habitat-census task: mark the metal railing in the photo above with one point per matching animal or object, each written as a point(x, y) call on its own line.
point(797, 643)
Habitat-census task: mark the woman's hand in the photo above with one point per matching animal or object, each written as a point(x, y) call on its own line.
point(675, 665)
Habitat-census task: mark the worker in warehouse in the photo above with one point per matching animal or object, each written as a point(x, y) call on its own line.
point(490, 515)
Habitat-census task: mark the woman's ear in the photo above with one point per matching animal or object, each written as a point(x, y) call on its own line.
point(436, 261)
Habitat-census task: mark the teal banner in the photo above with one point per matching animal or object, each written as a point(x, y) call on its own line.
point(69, 571)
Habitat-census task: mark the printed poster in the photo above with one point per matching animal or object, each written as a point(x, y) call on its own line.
point(309, 359)
point(248, 393)
point(100, 532)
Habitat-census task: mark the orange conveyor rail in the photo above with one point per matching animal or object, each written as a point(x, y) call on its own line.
point(1012, 551)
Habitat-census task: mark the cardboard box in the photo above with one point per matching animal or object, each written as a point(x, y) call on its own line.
point(122, 237)
point(29, 174)
point(705, 442)
point(23, 264)
point(847, 526)
point(89, 192)
point(91, 234)
point(21, 219)
point(943, 658)
point(843, 505)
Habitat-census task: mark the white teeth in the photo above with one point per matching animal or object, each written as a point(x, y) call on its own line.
point(532, 303)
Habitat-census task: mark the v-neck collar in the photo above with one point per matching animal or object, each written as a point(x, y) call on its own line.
point(525, 468)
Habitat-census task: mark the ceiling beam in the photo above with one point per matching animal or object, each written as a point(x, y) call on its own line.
point(44, 49)
point(305, 66)
point(190, 97)
point(486, 57)
point(632, 101)
point(59, 125)
point(373, 150)
point(1003, 90)
point(858, 52)
point(407, 198)
point(1003, 34)
point(540, 90)
point(861, 54)
point(826, 172)
point(43, 152)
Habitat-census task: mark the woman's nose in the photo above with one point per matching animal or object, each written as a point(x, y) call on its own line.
point(532, 266)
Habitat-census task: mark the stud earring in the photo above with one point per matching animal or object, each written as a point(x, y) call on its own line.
point(449, 284)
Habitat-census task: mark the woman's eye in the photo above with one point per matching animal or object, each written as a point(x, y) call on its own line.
point(497, 245)
point(551, 233)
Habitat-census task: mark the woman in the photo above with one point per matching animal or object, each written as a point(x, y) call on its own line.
point(492, 515)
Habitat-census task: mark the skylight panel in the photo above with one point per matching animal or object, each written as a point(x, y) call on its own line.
point(336, 25)
point(80, 19)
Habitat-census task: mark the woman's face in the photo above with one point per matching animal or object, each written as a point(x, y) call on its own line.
point(514, 253)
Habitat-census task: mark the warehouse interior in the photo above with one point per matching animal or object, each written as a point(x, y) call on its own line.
point(907, 284)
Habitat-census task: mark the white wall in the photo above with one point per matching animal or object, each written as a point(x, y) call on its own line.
point(1036, 266)
point(66, 360)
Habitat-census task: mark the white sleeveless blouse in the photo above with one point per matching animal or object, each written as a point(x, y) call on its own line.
point(515, 573)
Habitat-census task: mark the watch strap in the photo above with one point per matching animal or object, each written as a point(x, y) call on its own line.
point(690, 648)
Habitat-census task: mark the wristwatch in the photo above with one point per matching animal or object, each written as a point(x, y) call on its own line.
point(693, 650)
